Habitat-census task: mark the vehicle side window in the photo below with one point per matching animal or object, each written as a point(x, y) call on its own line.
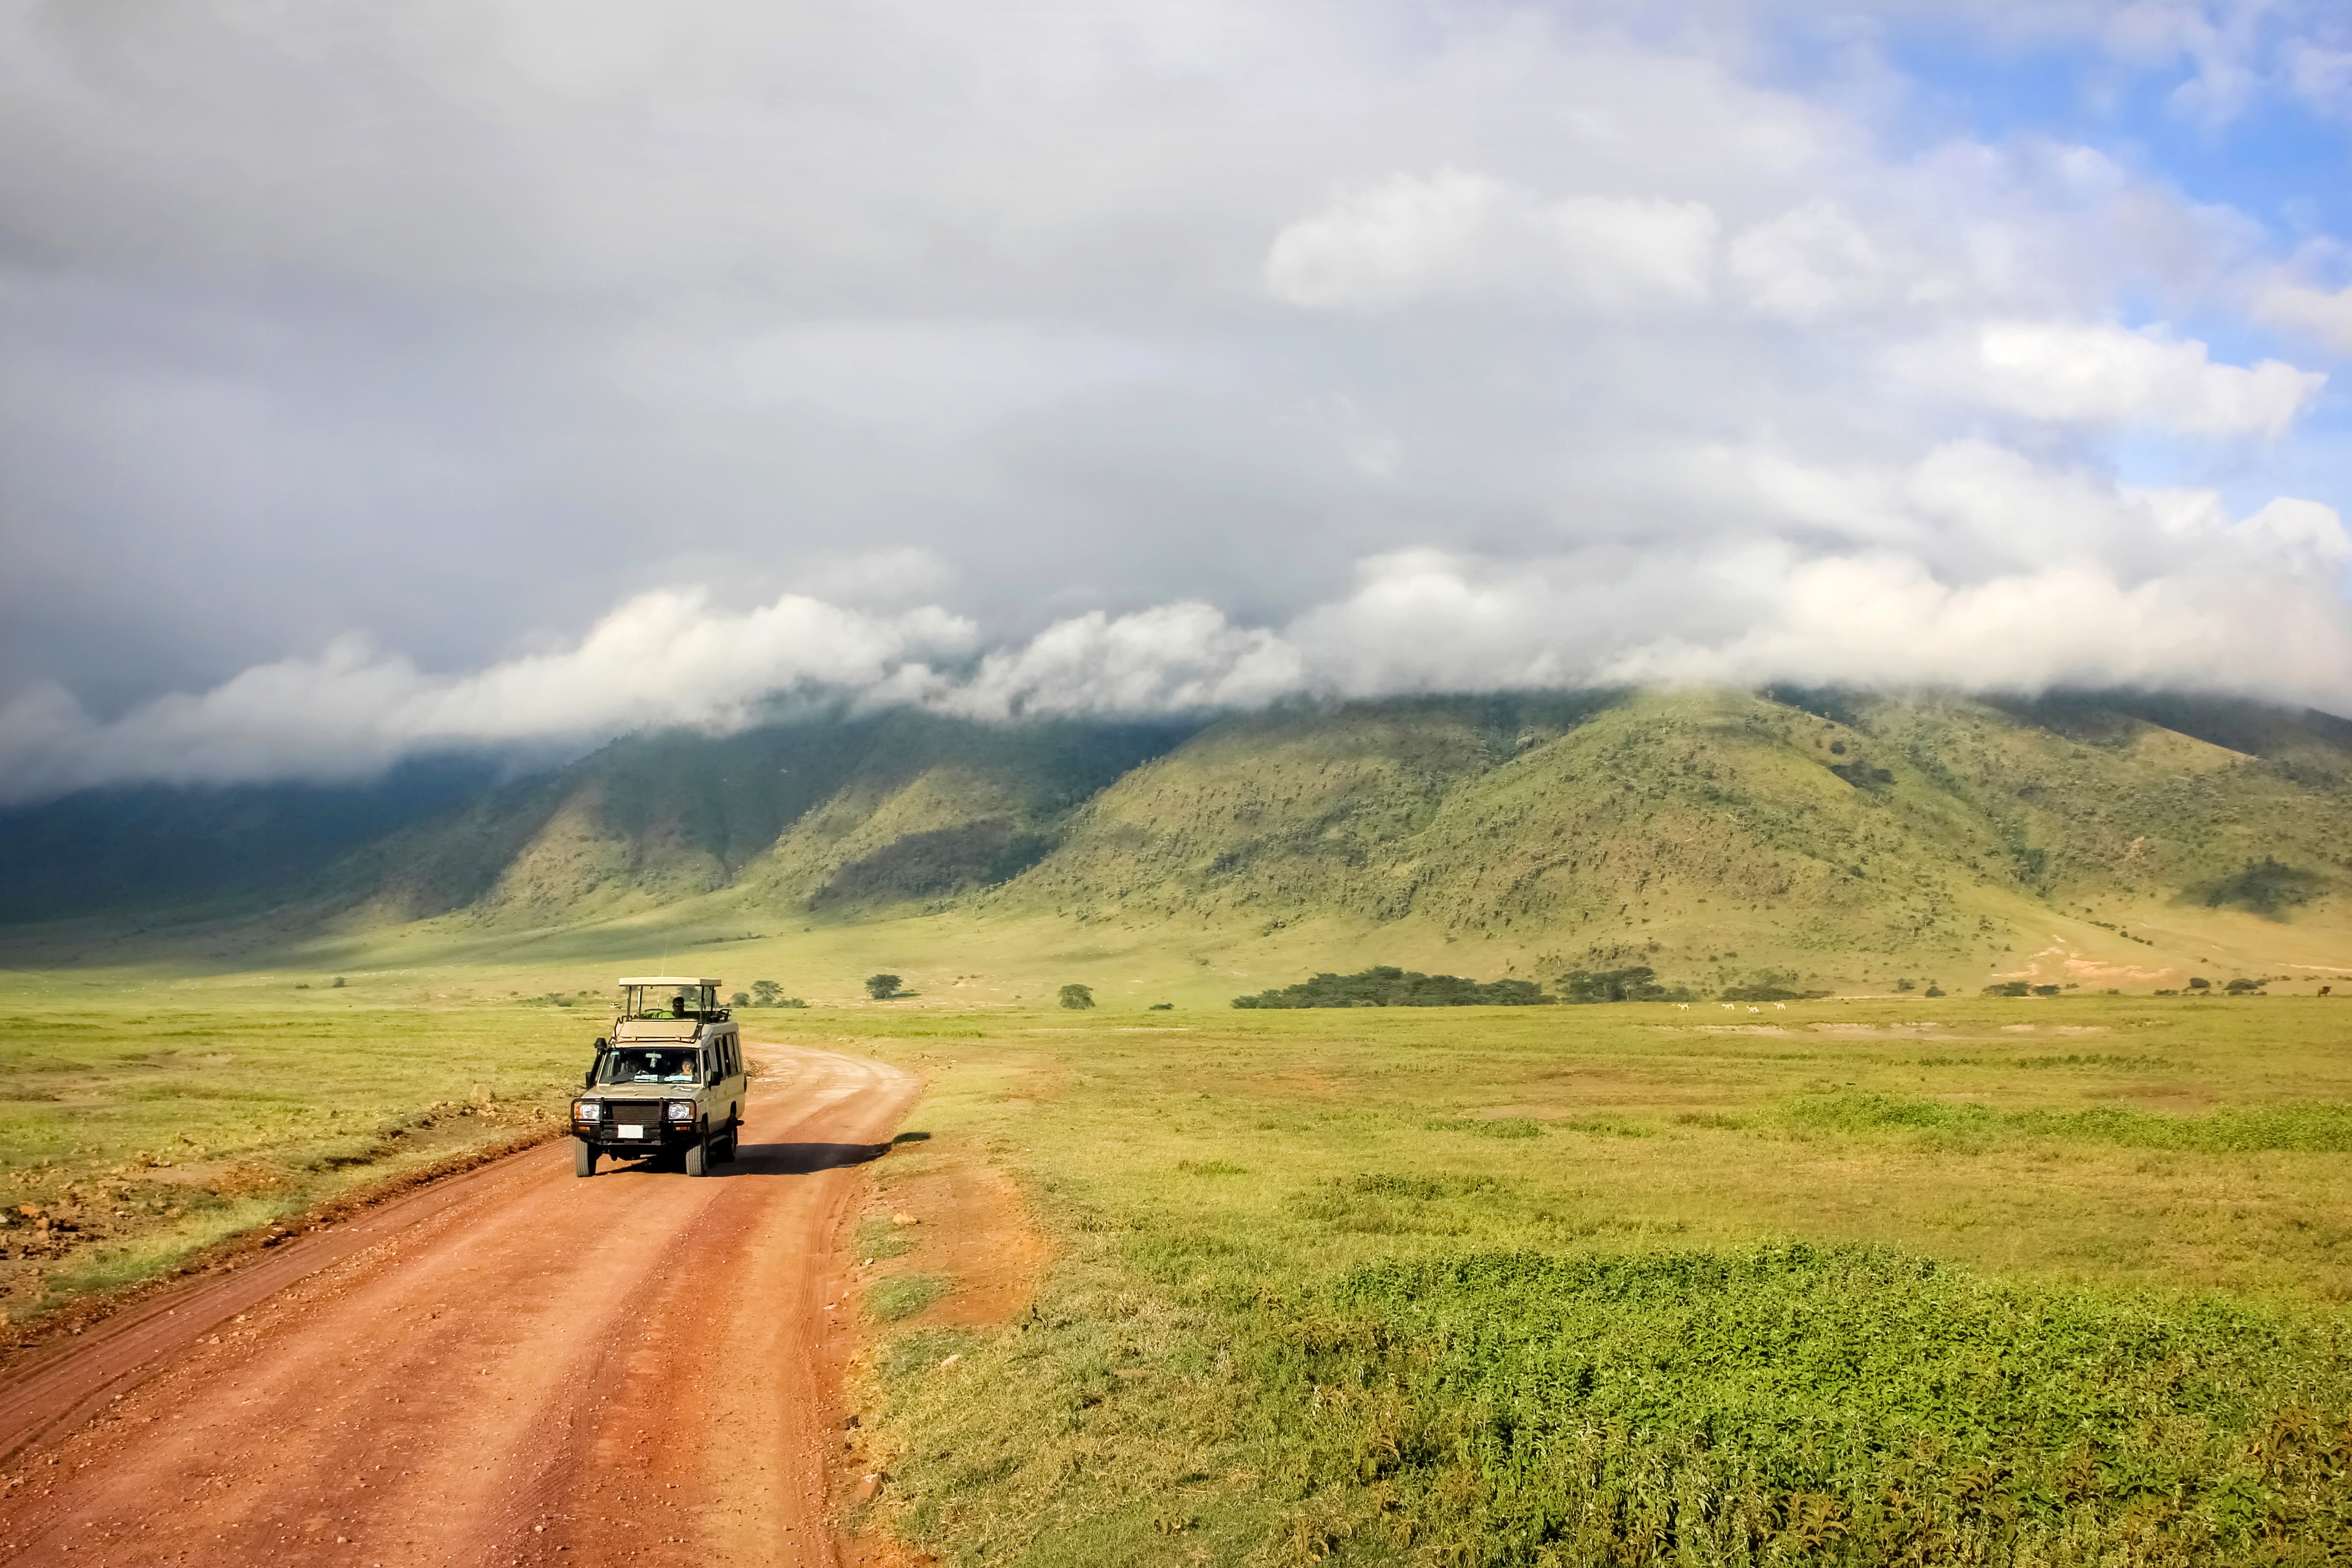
point(735, 1051)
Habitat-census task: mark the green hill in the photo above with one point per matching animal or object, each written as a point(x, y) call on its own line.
point(1709, 832)
point(1724, 839)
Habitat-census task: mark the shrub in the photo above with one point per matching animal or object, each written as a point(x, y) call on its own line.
point(2009, 988)
point(1638, 983)
point(741, 999)
point(1383, 986)
point(882, 987)
point(2241, 986)
point(1077, 996)
point(337, 984)
point(767, 991)
point(2199, 982)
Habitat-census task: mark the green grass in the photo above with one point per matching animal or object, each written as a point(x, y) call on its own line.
point(1969, 1280)
point(154, 1119)
point(1745, 1298)
point(904, 1295)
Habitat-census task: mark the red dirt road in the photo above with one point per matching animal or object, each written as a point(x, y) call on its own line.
point(514, 1366)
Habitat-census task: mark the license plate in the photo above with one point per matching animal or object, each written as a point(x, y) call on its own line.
point(630, 1131)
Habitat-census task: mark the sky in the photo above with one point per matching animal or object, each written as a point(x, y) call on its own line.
point(508, 374)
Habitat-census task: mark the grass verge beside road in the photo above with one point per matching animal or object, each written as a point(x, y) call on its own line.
point(142, 1124)
point(1974, 1281)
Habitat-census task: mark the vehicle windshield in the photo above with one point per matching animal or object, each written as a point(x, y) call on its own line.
point(644, 1002)
point(638, 1064)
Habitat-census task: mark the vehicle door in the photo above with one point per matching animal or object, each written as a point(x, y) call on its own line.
point(736, 1083)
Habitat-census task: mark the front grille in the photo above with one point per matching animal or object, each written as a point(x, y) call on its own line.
point(633, 1112)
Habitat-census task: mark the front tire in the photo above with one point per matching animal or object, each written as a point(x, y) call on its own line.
point(698, 1158)
point(583, 1159)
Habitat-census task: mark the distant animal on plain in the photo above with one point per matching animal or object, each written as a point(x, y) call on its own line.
point(1756, 1009)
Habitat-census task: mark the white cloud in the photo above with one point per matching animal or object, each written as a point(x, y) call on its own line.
point(663, 658)
point(2105, 375)
point(2220, 604)
point(2311, 535)
point(1172, 659)
point(1564, 328)
point(1808, 262)
point(1452, 236)
point(1883, 620)
point(2326, 315)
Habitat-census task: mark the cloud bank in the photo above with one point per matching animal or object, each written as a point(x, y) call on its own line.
point(508, 374)
point(2243, 606)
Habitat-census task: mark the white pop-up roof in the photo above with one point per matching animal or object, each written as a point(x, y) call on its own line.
point(663, 980)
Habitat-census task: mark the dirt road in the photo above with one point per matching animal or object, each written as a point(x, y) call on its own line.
point(515, 1366)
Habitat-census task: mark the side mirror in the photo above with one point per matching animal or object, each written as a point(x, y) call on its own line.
point(588, 1078)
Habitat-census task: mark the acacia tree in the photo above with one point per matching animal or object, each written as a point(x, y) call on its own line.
point(767, 991)
point(881, 987)
point(1077, 996)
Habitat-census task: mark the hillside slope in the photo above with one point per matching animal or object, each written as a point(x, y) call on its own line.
point(1718, 837)
point(835, 813)
point(1687, 829)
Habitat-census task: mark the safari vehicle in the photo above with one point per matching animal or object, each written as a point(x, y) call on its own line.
point(668, 1081)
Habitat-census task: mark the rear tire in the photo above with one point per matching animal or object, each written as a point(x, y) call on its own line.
point(583, 1159)
point(697, 1159)
point(725, 1150)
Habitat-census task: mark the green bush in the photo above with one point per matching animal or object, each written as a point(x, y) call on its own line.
point(1638, 983)
point(1383, 986)
point(1077, 998)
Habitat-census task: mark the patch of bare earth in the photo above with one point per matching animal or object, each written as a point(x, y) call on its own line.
point(962, 1220)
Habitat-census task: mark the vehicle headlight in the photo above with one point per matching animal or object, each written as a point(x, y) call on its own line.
point(587, 1110)
point(679, 1111)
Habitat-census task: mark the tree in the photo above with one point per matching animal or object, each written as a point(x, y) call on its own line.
point(767, 991)
point(881, 987)
point(742, 998)
point(1077, 996)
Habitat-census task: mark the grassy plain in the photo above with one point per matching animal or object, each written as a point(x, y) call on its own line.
point(2026, 1281)
point(1878, 1280)
point(145, 1115)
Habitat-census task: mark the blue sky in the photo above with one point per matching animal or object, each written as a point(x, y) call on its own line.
point(509, 373)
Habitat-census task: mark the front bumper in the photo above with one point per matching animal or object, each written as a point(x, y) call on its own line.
point(634, 1125)
point(615, 1141)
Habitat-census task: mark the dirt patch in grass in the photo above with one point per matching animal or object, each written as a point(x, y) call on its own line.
point(940, 1211)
